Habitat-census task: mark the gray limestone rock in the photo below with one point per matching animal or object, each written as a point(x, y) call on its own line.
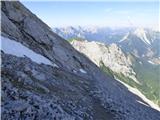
point(32, 91)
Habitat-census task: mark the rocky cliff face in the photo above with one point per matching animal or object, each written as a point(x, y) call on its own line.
point(111, 56)
point(62, 84)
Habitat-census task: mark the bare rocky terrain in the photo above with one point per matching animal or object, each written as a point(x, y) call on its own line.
point(70, 88)
point(110, 55)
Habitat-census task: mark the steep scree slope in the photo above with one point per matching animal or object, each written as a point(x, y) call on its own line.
point(73, 88)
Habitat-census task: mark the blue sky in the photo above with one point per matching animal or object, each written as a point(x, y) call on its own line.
point(113, 14)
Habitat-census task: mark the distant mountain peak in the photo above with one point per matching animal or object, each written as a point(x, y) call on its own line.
point(141, 33)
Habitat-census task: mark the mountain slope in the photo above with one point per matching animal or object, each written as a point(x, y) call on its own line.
point(127, 68)
point(111, 56)
point(148, 74)
point(70, 87)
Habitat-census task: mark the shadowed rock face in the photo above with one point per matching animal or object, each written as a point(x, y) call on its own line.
point(34, 91)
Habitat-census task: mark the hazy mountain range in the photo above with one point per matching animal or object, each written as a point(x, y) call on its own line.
point(44, 77)
point(141, 42)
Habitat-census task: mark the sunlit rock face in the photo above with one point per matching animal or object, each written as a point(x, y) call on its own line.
point(110, 55)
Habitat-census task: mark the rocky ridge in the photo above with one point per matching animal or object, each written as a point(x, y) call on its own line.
point(110, 55)
point(33, 91)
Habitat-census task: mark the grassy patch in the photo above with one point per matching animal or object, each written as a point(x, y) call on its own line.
point(148, 76)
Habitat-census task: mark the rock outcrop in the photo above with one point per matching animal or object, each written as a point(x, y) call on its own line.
point(110, 55)
point(73, 88)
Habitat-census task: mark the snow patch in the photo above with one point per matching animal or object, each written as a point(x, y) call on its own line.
point(141, 33)
point(125, 37)
point(17, 49)
point(142, 103)
point(74, 71)
point(82, 71)
point(138, 93)
point(151, 62)
point(55, 65)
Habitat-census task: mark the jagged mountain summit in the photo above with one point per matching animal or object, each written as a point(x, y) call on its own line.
point(140, 33)
point(44, 77)
point(142, 42)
